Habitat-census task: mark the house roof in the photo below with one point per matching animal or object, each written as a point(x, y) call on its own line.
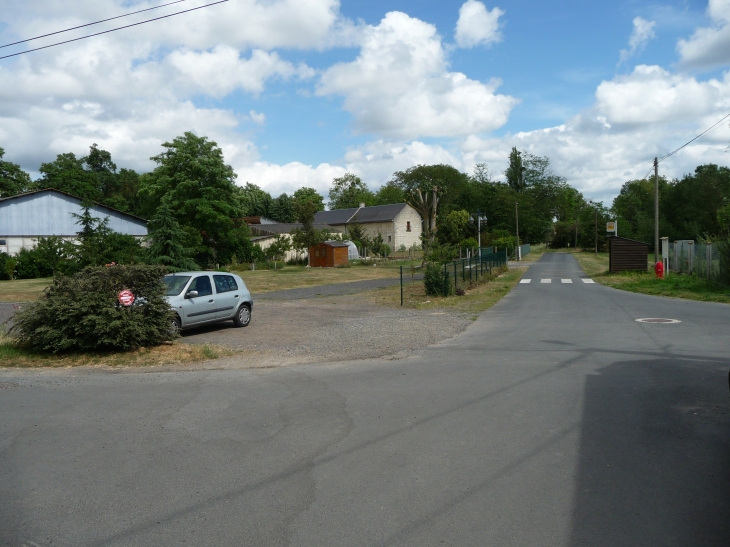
point(74, 197)
point(281, 228)
point(331, 243)
point(360, 215)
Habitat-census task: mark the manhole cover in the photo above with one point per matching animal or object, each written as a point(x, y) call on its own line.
point(657, 320)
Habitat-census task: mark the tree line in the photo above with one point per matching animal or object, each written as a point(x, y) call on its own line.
point(196, 209)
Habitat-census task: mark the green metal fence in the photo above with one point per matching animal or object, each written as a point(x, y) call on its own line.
point(461, 274)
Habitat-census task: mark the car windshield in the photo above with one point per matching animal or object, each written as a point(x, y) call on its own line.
point(175, 283)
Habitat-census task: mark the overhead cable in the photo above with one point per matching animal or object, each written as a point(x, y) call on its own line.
point(90, 24)
point(697, 137)
point(114, 29)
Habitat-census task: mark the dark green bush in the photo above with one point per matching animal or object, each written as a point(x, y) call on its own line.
point(82, 312)
point(433, 279)
point(4, 259)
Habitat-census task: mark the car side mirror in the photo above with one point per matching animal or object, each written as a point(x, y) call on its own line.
point(191, 294)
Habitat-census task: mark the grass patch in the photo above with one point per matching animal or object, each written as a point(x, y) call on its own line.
point(474, 302)
point(296, 277)
point(23, 290)
point(674, 285)
point(168, 354)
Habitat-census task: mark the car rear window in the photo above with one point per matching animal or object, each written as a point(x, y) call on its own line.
point(175, 284)
point(224, 283)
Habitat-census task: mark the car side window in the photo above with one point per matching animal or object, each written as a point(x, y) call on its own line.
point(221, 283)
point(202, 285)
point(232, 283)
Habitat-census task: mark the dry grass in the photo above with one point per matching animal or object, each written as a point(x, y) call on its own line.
point(168, 354)
point(23, 290)
point(474, 302)
point(296, 277)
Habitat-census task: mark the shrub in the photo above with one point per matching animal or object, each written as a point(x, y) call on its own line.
point(82, 312)
point(433, 279)
point(4, 259)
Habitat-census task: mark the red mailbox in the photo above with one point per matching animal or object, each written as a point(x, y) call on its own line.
point(659, 270)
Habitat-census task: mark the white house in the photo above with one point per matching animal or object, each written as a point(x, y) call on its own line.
point(26, 217)
point(399, 224)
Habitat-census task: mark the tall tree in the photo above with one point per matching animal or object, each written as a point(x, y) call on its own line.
point(200, 188)
point(13, 180)
point(309, 194)
point(168, 242)
point(253, 201)
point(349, 191)
point(389, 193)
point(515, 173)
point(67, 174)
point(423, 186)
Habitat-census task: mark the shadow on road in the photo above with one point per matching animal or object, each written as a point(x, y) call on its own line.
point(654, 460)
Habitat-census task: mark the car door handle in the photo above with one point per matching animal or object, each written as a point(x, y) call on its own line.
point(211, 300)
point(235, 296)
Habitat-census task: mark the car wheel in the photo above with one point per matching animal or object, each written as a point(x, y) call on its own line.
point(175, 326)
point(243, 316)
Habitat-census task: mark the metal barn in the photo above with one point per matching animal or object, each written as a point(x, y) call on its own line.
point(26, 217)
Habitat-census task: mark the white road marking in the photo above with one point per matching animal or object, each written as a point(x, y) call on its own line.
point(546, 281)
point(525, 280)
point(588, 280)
point(566, 280)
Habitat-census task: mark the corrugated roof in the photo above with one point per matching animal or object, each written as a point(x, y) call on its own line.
point(364, 215)
point(72, 196)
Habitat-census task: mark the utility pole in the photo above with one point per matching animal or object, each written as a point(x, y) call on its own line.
point(595, 210)
point(656, 210)
point(517, 220)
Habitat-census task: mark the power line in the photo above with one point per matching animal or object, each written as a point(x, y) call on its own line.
point(90, 24)
point(114, 29)
point(697, 137)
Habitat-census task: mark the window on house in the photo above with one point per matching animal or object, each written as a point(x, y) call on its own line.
point(408, 226)
point(390, 238)
point(3, 242)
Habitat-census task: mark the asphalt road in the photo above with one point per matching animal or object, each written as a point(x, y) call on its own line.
point(555, 419)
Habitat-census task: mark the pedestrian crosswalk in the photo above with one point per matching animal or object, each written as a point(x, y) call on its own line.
point(562, 281)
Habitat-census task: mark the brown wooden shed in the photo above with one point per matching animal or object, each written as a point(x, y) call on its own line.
point(329, 254)
point(627, 255)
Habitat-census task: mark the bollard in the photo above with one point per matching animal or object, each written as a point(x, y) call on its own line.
point(659, 270)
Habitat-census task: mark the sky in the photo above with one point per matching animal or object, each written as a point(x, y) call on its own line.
point(297, 92)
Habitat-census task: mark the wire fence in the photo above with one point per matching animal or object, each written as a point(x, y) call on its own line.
point(700, 259)
point(459, 275)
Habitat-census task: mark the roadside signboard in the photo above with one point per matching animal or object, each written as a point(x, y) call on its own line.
point(126, 297)
point(611, 227)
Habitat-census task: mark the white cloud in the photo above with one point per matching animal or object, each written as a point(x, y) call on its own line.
point(709, 46)
point(653, 95)
point(257, 117)
point(477, 25)
point(399, 85)
point(640, 36)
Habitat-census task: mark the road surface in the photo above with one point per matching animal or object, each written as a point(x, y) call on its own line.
point(555, 419)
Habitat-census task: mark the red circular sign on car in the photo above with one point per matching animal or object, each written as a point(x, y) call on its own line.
point(126, 297)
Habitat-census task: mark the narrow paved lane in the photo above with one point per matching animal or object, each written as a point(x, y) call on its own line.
point(555, 419)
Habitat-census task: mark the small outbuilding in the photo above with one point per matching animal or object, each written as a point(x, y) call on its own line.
point(329, 254)
point(627, 255)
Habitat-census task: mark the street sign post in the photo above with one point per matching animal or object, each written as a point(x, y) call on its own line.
point(612, 227)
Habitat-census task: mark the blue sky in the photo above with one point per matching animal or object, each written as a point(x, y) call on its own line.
point(297, 92)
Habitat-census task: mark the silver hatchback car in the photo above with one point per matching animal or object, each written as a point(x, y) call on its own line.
point(201, 298)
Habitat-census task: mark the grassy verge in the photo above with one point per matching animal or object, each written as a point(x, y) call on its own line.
point(23, 290)
point(674, 285)
point(474, 302)
point(175, 353)
point(296, 277)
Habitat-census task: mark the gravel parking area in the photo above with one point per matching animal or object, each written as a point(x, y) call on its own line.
point(326, 329)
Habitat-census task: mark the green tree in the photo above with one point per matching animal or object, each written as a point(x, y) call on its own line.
point(423, 187)
point(200, 188)
point(515, 173)
point(278, 249)
point(389, 193)
point(309, 194)
point(168, 242)
point(282, 209)
point(13, 180)
point(307, 236)
point(67, 174)
point(253, 201)
point(348, 192)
